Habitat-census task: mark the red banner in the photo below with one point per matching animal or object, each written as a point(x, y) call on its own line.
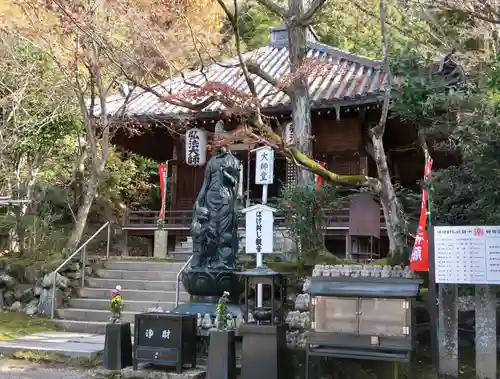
point(419, 260)
point(319, 179)
point(162, 170)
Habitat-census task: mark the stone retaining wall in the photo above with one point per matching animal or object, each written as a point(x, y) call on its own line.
point(30, 289)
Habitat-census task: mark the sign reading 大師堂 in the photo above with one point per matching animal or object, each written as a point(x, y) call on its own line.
point(264, 165)
point(467, 254)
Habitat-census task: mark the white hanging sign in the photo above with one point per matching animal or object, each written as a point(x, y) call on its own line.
point(289, 134)
point(196, 147)
point(259, 229)
point(264, 165)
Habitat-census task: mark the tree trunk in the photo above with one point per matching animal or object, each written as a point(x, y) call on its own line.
point(82, 214)
point(79, 179)
point(301, 107)
point(390, 204)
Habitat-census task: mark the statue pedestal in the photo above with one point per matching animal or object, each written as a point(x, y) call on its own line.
point(205, 282)
point(160, 244)
point(207, 285)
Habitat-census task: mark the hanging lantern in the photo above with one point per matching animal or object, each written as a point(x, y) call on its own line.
point(196, 147)
point(289, 134)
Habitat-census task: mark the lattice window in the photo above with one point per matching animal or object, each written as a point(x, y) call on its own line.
point(291, 174)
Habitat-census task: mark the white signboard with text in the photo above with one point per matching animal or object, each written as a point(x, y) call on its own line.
point(259, 229)
point(196, 147)
point(264, 165)
point(467, 254)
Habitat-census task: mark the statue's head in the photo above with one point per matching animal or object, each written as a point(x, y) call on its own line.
point(220, 133)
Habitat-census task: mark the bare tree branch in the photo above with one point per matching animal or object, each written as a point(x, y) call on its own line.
point(275, 8)
point(308, 16)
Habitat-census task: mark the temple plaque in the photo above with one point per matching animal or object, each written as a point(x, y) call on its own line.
point(364, 216)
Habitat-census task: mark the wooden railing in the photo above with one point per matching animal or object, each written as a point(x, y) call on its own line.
point(181, 219)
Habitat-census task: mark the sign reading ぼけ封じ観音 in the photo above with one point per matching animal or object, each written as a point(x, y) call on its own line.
point(264, 165)
point(467, 254)
point(259, 233)
point(196, 147)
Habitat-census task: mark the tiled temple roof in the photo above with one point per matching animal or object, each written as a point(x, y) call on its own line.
point(343, 79)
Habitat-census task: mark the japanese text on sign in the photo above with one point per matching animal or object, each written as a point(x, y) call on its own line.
point(467, 254)
point(264, 170)
point(289, 133)
point(195, 147)
point(258, 231)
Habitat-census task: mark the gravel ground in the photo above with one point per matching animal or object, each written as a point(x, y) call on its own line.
point(10, 369)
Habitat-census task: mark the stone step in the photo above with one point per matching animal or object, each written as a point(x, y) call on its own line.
point(132, 295)
point(145, 285)
point(138, 265)
point(181, 255)
point(183, 250)
point(137, 275)
point(91, 315)
point(132, 306)
point(84, 326)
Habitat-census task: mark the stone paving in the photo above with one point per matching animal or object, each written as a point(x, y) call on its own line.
point(72, 345)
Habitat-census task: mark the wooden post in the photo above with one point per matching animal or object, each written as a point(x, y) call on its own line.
point(432, 305)
point(486, 332)
point(448, 330)
point(347, 246)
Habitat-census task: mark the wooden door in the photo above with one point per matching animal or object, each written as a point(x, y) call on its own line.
point(189, 181)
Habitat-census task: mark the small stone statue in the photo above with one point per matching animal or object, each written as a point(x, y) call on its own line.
point(240, 320)
point(203, 238)
point(206, 323)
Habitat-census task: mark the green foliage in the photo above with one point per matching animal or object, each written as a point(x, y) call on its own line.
point(128, 178)
point(348, 26)
point(303, 209)
point(464, 128)
point(468, 193)
point(39, 157)
point(254, 23)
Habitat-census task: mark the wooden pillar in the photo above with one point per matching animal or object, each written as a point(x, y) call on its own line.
point(347, 245)
point(363, 165)
point(125, 249)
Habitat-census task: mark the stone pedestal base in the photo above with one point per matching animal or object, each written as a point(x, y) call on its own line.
point(221, 355)
point(160, 244)
point(117, 346)
point(264, 351)
point(208, 282)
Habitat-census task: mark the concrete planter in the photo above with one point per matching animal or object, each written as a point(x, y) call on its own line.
point(160, 244)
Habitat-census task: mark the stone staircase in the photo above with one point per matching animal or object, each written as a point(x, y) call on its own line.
point(183, 249)
point(145, 284)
